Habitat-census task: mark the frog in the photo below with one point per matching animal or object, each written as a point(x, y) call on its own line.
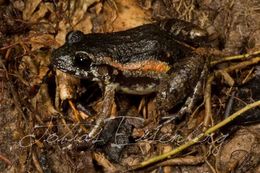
point(159, 57)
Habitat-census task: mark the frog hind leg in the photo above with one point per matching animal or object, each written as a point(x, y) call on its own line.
point(182, 81)
point(196, 94)
point(186, 108)
point(185, 31)
point(191, 100)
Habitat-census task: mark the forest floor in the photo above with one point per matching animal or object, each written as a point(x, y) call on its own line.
point(44, 126)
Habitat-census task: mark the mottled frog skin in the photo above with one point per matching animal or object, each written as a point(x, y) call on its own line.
point(152, 58)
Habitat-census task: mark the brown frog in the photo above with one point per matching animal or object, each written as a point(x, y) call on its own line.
point(152, 58)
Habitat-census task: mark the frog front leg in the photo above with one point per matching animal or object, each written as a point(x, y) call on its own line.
point(108, 101)
point(179, 82)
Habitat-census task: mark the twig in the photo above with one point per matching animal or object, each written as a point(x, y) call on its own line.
point(207, 98)
point(208, 115)
point(229, 104)
point(101, 160)
point(232, 117)
point(247, 78)
point(7, 161)
point(207, 95)
point(236, 57)
point(75, 112)
point(241, 65)
point(188, 160)
point(15, 96)
point(210, 166)
point(229, 80)
point(36, 163)
point(76, 115)
point(198, 138)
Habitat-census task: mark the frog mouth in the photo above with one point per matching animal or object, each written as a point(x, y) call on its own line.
point(66, 64)
point(63, 63)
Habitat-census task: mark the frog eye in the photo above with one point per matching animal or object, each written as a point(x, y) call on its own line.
point(74, 37)
point(82, 60)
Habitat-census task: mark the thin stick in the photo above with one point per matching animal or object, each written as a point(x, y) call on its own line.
point(7, 161)
point(236, 57)
point(188, 160)
point(207, 98)
point(232, 117)
point(76, 115)
point(198, 138)
point(75, 112)
point(207, 95)
point(242, 64)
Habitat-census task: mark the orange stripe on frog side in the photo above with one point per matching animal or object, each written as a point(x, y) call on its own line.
point(146, 65)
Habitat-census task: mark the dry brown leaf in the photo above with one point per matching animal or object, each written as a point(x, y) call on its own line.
point(80, 20)
point(107, 14)
point(43, 40)
point(82, 6)
point(108, 166)
point(131, 160)
point(167, 148)
point(240, 151)
point(43, 104)
point(44, 61)
point(63, 30)
point(30, 7)
point(40, 13)
point(130, 15)
point(66, 85)
point(85, 25)
point(145, 147)
point(138, 133)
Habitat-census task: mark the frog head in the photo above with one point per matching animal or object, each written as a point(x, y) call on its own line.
point(70, 58)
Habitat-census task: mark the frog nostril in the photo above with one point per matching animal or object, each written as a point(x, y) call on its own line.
point(74, 37)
